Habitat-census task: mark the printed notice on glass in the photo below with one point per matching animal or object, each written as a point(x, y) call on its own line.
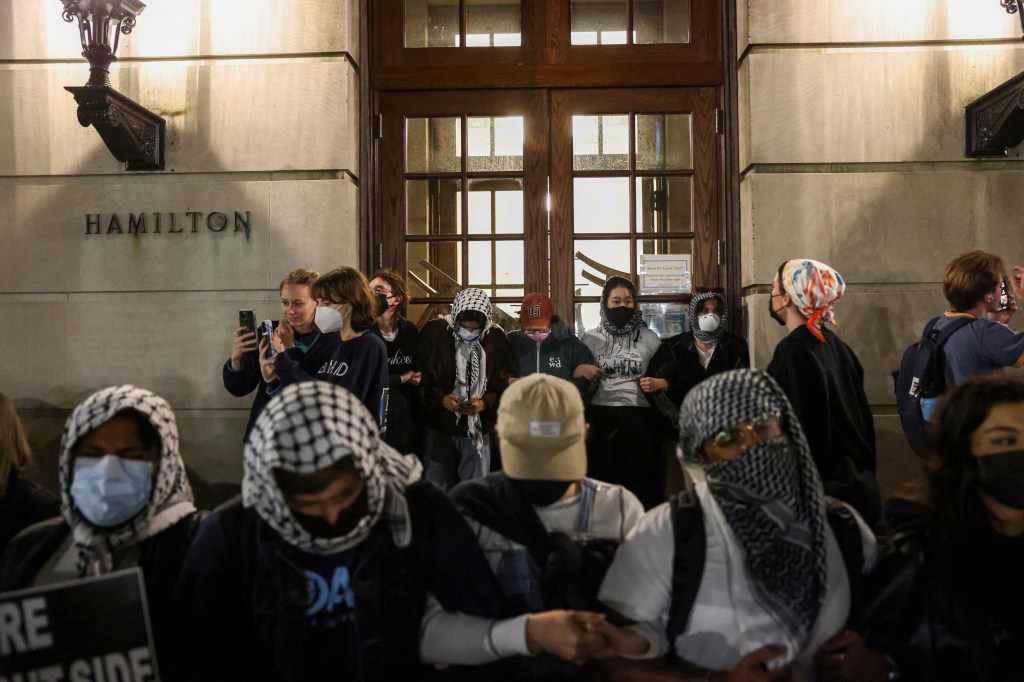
point(665, 274)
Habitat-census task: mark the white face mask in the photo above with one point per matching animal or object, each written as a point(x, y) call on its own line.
point(467, 334)
point(708, 322)
point(329, 319)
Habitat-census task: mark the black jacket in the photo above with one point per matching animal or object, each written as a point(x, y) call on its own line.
point(242, 598)
point(249, 378)
point(825, 384)
point(403, 417)
point(946, 611)
point(160, 558)
point(678, 361)
point(21, 505)
point(435, 357)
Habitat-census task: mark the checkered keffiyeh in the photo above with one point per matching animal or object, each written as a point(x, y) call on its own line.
point(308, 427)
point(771, 495)
point(470, 357)
point(814, 288)
point(95, 545)
point(695, 306)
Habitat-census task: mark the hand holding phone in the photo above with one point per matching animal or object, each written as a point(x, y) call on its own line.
point(266, 334)
point(247, 319)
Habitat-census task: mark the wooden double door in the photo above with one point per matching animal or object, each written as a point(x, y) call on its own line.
point(551, 190)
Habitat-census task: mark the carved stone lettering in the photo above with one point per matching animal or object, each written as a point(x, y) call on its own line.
point(141, 222)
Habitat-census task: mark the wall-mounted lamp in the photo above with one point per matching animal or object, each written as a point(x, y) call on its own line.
point(132, 133)
point(1015, 7)
point(995, 121)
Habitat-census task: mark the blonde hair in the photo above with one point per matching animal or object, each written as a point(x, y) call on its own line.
point(15, 454)
point(299, 276)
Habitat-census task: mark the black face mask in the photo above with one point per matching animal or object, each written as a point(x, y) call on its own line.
point(346, 522)
point(1002, 476)
point(771, 309)
point(619, 317)
point(540, 493)
point(382, 303)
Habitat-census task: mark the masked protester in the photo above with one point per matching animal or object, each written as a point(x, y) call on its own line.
point(399, 336)
point(750, 572)
point(548, 531)
point(125, 502)
point(321, 571)
point(623, 446)
point(947, 601)
point(347, 310)
point(824, 381)
point(543, 344)
point(684, 360)
point(465, 360)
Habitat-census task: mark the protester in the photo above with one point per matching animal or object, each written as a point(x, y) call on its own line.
point(399, 335)
point(622, 446)
point(543, 344)
point(749, 573)
point(463, 358)
point(346, 310)
point(824, 381)
point(321, 571)
point(971, 285)
point(125, 502)
point(947, 601)
point(21, 502)
point(300, 338)
point(549, 533)
point(684, 360)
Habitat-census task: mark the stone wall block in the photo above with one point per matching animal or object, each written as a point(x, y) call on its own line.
point(268, 227)
point(879, 227)
point(253, 115)
point(174, 344)
point(866, 21)
point(877, 105)
point(35, 348)
point(185, 28)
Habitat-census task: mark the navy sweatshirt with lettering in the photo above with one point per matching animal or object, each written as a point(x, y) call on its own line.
point(359, 365)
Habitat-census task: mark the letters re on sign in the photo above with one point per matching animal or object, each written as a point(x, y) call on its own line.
point(94, 629)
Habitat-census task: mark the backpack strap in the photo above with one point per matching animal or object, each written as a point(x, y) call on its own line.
point(688, 559)
point(940, 337)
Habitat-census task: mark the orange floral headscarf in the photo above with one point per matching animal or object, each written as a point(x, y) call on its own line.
point(814, 288)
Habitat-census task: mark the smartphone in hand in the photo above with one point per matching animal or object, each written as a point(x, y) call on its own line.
point(1004, 295)
point(267, 328)
point(247, 319)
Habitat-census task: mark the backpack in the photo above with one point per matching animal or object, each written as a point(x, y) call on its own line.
point(921, 380)
point(690, 541)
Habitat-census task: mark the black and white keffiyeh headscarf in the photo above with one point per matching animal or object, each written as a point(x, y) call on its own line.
point(308, 427)
point(696, 303)
point(771, 495)
point(631, 330)
point(470, 357)
point(171, 498)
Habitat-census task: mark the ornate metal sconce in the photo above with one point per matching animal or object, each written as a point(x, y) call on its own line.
point(1014, 7)
point(132, 133)
point(995, 121)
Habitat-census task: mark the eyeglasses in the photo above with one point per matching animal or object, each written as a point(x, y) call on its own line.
point(730, 442)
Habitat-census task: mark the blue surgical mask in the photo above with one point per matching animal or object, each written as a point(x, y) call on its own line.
point(109, 490)
point(468, 335)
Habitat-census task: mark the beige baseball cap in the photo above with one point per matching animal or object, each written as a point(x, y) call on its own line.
point(542, 430)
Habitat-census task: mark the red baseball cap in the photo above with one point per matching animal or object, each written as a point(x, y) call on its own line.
point(536, 312)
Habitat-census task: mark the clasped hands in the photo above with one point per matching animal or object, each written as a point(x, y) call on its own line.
point(579, 636)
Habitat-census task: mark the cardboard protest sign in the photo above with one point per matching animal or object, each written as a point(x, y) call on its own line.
point(89, 630)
